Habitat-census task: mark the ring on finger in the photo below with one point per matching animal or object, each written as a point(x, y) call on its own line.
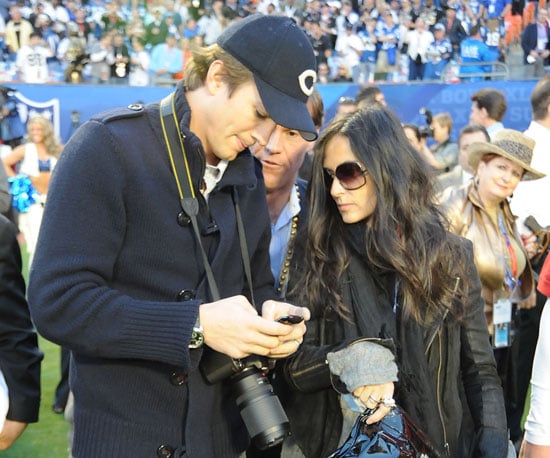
point(297, 342)
point(388, 402)
point(376, 401)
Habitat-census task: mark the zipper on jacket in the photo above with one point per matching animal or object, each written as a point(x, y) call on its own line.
point(438, 395)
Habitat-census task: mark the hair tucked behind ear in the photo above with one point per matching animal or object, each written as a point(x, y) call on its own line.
point(405, 233)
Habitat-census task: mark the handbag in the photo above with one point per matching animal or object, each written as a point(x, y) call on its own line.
point(394, 436)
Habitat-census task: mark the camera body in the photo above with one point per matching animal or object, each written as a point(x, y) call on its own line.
point(426, 131)
point(260, 409)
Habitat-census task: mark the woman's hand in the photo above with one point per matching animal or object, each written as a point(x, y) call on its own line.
point(531, 245)
point(378, 397)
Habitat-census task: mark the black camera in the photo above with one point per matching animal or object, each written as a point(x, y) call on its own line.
point(426, 131)
point(260, 409)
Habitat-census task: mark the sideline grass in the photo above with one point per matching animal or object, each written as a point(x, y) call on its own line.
point(48, 437)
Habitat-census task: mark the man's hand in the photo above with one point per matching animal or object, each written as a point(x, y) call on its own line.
point(233, 327)
point(291, 336)
point(11, 431)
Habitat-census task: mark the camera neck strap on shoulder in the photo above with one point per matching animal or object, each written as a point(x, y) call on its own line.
point(188, 201)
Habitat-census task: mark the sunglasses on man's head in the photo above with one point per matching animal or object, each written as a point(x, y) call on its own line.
point(350, 175)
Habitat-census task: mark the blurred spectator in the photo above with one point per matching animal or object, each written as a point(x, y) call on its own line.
point(345, 105)
point(112, 19)
point(18, 31)
point(387, 34)
point(156, 30)
point(418, 41)
point(36, 159)
point(177, 19)
point(412, 132)
point(83, 26)
point(323, 73)
point(12, 129)
point(445, 150)
point(191, 28)
point(367, 33)
point(474, 12)
point(57, 11)
point(140, 62)
point(135, 27)
point(488, 109)
point(535, 42)
point(431, 14)
point(438, 54)
point(321, 43)
point(99, 68)
point(31, 60)
point(119, 61)
point(462, 173)
point(166, 59)
point(212, 23)
point(493, 36)
point(497, 9)
point(347, 16)
point(368, 94)
point(342, 74)
point(172, 28)
point(349, 48)
point(72, 56)
point(454, 29)
point(474, 52)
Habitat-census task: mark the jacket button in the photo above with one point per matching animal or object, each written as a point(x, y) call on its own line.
point(183, 219)
point(135, 106)
point(185, 295)
point(165, 451)
point(178, 378)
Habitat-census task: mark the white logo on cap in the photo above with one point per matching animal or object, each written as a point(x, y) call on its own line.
point(302, 81)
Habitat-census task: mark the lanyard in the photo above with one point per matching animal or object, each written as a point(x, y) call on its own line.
point(190, 205)
point(511, 275)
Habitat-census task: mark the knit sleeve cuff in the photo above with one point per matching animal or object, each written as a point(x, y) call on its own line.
point(363, 363)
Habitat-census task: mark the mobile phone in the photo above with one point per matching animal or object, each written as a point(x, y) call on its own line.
point(290, 319)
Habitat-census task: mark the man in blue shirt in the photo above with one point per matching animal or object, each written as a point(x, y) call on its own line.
point(473, 50)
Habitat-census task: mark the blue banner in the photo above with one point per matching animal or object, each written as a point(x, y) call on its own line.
point(405, 99)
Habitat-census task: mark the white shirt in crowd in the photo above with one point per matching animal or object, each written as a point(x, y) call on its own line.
point(32, 65)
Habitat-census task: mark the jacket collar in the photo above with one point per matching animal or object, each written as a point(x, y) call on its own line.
point(240, 171)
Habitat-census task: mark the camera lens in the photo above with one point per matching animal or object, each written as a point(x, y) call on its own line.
point(260, 409)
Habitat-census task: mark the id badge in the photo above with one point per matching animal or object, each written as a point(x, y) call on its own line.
point(502, 321)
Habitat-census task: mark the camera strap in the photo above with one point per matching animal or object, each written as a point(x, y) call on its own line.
point(188, 201)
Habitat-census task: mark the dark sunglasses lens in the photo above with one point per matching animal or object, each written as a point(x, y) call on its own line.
point(350, 175)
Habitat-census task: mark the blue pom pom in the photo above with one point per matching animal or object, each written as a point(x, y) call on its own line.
point(23, 194)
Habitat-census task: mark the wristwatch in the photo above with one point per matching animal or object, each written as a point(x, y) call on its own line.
point(197, 337)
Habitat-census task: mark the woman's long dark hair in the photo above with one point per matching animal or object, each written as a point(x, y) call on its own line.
point(405, 234)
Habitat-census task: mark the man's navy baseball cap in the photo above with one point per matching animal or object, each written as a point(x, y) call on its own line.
point(281, 58)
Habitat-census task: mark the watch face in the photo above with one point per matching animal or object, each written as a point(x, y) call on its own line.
point(197, 339)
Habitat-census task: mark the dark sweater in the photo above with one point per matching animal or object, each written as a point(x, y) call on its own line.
point(110, 263)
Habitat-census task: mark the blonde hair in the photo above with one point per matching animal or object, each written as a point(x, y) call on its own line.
point(197, 68)
point(444, 120)
point(53, 145)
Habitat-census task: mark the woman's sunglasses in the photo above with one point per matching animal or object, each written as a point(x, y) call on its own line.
point(350, 175)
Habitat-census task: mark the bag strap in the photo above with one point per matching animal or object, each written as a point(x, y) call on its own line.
point(182, 174)
point(190, 205)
